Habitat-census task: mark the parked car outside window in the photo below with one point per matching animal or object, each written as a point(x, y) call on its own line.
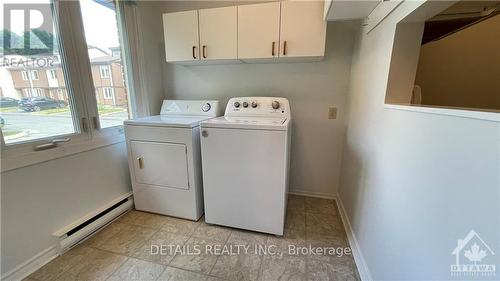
point(8, 102)
point(40, 103)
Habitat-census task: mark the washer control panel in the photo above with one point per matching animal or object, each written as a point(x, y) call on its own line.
point(258, 107)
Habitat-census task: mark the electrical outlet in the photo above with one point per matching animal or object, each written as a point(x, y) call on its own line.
point(332, 113)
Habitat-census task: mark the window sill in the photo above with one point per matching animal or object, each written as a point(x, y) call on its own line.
point(481, 115)
point(12, 160)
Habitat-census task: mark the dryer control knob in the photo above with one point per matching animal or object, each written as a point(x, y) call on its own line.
point(254, 104)
point(245, 104)
point(276, 104)
point(236, 104)
point(206, 107)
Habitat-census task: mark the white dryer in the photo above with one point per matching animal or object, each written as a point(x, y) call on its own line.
point(164, 158)
point(245, 160)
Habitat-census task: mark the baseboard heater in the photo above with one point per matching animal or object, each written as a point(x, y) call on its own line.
point(72, 234)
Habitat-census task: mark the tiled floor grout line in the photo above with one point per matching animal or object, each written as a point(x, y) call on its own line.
point(314, 214)
point(96, 233)
point(138, 247)
point(189, 237)
point(124, 255)
point(168, 264)
point(218, 256)
point(117, 268)
point(262, 261)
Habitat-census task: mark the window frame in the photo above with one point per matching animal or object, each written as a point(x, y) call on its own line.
point(88, 135)
point(24, 75)
point(107, 91)
point(83, 102)
point(114, 132)
point(34, 75)
point(21, 153)
point(53, 74)
point(104, 71)
point(60, 94)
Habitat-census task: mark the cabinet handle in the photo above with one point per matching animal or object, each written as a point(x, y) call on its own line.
point(141, 165)
point(284, 48)
point(194, 52)
point(272, 50)
point(204, 51)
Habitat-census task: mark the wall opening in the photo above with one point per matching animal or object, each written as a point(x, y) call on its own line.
point(448, 58)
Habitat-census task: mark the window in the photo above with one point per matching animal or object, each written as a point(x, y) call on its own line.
point(33, 119)
point(24, 74)
point(44, 109)
point(34, 74)
point(61, 94)
point(37, 92)
point(108, 93)
point(53, 74)
point(104, 71)
point(103, 39)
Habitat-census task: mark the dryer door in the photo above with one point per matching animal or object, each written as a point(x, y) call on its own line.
point(160, 164)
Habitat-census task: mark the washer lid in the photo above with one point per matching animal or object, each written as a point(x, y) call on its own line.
point(167, 121)
point(255, 123)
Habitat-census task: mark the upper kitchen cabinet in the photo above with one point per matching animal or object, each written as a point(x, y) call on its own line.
point(181, 36)
point(219, 33)
point(258, 31)
point(303, 29)
point(275, 31)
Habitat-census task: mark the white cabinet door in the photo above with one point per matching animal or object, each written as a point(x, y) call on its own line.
point(219, 33)
point(258, 30)
point(160, 164)
point(303, 29)
point(181, 36)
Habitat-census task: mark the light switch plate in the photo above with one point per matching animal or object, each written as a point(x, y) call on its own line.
point(332, 113)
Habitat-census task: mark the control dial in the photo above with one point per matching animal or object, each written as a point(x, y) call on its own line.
point(254, 104)
point(206, 107)
point(236, 104)
point(275, 104)
point(245, 104)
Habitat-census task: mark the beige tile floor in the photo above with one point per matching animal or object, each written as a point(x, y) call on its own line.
point(122, 250)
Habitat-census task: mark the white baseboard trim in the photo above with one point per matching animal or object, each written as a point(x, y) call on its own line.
point(364, 272)
point(312, 194)
point(25, 269)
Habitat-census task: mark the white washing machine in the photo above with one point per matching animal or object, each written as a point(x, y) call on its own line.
point(245, 160)
point(164, 158)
